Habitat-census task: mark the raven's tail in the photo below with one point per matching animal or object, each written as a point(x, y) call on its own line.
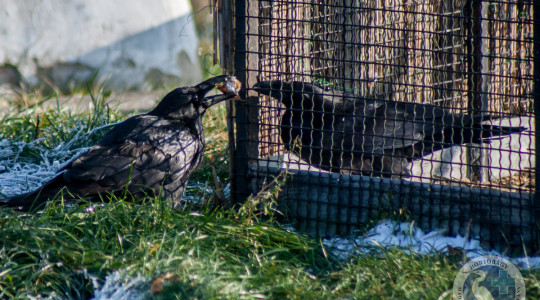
point(488, 131)
point(480, 132)
point(469, 129)
point(24, 202)
point(36, 199)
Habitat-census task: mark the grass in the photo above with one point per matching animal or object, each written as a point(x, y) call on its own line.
point(68, 251)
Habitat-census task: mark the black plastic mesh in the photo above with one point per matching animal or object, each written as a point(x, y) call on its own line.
point(474, 59)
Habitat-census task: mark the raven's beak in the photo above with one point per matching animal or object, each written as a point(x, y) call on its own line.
point(263, 87)
point(210, 83)
point(277, 89)
point(229, 86)
point(272, 87)
point(222, 83)
point(212, 100)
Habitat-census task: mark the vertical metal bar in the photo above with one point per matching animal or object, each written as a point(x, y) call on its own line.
point(224, 24)
point(536, 92)
point(477, 69)
point(253, 11)
point(225, 28)
point(238, 158)
point(246, 70)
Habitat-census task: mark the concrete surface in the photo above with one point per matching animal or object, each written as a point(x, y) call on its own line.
point(133, 44)
point(504, 155)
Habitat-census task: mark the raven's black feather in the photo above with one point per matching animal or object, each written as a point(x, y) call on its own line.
point(147, 154)
point(343, 132)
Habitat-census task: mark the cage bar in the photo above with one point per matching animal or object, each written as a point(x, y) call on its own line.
point(472, 58)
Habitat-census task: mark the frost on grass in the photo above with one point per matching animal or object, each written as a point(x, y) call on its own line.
point(119, 286)
point(406, 236)
point(26, 166)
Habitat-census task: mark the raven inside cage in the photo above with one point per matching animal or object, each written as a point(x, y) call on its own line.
point(423, 110)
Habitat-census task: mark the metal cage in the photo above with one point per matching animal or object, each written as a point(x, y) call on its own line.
point(457, 60)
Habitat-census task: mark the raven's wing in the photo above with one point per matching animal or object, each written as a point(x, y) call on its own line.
point(144, 151)
point(389, 125)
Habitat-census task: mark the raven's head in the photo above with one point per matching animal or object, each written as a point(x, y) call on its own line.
point(191, 102)
point(294, 94)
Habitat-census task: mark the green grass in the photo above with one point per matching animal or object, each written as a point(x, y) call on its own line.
point(49, 124)
point(64, 251)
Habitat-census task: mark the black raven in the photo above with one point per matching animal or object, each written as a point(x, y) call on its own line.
point(342, 132)
point(148, 154)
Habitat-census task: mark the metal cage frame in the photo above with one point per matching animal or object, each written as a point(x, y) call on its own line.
point(504, 220)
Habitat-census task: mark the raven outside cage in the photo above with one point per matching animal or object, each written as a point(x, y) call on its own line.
point(459, 65)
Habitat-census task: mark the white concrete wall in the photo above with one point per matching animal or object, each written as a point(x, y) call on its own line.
point(505, 155)
point(130, 42)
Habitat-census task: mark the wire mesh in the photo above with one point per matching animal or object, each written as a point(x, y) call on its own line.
point(382, 108)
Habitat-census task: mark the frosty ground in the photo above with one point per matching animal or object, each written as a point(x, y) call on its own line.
point(31, 156)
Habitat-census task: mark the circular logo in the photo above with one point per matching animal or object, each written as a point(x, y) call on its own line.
point(489, 277)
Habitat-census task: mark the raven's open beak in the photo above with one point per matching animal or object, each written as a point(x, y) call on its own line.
point(210, 83)
point(211, 100)
point(229, 86)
